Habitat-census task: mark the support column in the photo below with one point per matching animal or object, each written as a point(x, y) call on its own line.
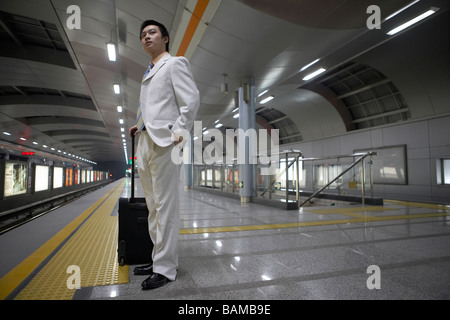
point(247, 165)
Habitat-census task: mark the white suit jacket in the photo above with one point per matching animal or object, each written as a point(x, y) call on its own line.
point(169, 97)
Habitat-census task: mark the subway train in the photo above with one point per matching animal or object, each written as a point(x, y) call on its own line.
point(317, 166)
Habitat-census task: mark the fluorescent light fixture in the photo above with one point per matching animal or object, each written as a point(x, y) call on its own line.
point(219, 125)
point(309, 65)
point(122, 129)
point(224, 88)
point(236, 109)
point(267, 100)
point(34, 142)
point(413, 21)
point(236, 116)
point(121, 121)
point(217, 121)
point(45, 146)
point(6, 133)
point(116, 89)
point(23, 139)
point(111, 51)
point(119, 109)
point(314, 74)
point(263, 93)
point(401, 10)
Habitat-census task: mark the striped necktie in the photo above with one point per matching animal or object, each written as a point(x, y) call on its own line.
point(140, 120)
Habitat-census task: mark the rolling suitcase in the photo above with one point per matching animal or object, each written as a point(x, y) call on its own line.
point(135, 245)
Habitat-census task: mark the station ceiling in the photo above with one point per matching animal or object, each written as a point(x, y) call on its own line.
point(56, 81)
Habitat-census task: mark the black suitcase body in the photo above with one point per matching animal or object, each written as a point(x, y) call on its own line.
point(135, 245)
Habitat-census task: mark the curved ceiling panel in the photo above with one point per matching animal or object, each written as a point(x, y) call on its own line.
point(342, 14)
point(370, 97)
point(56, 84)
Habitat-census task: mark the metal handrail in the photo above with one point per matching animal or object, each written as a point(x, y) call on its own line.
point(279, 175)
point(341, 174)
point(285, 152)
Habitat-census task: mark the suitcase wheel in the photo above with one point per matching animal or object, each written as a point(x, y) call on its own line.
point(121, 252)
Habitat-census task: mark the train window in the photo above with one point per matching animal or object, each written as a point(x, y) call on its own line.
point(58, 177)
point(41, 178)
point(16, 175)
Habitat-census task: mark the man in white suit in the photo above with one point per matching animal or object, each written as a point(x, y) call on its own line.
point(169, 102)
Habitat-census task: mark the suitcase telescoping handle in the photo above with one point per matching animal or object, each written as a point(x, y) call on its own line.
point(132, 165)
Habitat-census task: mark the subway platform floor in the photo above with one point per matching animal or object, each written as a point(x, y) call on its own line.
point(229, 250)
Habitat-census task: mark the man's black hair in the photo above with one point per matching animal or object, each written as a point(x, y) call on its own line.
point(161, 27)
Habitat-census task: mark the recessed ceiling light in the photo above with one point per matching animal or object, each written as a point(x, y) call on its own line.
point(267, 100)
point(314, 74)
point(111, 47)
point(260, 95)
point(309, 65)
point(413, 21)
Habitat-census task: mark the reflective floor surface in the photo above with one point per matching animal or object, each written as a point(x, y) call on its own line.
point(233, 251)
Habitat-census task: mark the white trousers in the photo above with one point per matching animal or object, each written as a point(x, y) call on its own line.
point(159, 179)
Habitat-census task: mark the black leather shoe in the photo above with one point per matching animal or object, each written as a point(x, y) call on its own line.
point(144, 270)
point(156, 280)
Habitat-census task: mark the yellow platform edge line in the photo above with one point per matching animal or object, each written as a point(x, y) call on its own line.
point(16, 276)
point(311, 223)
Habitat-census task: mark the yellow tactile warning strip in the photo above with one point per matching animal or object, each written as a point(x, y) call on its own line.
point(312, 223)
point(351, 211)
point(419, 205)
point(348, 210)
point(92, 249)
point(15, 277)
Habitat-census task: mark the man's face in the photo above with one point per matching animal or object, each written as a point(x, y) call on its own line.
point(152, 40)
